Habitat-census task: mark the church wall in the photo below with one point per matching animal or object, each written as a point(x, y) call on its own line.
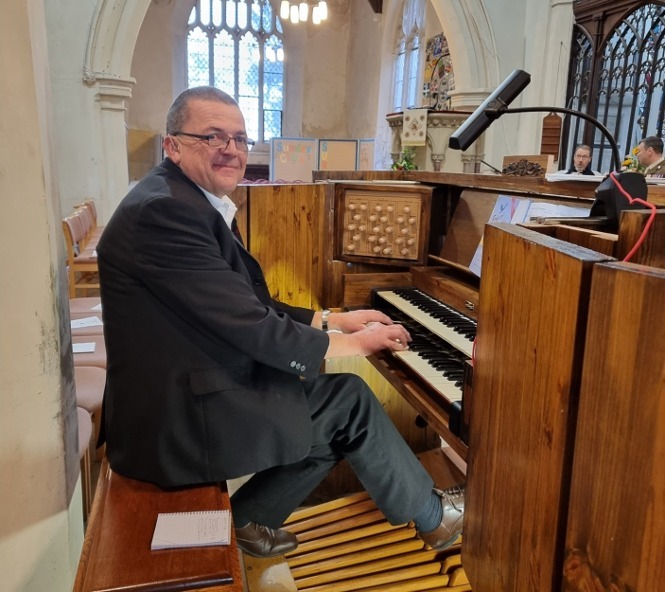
point(80, 161)
point(41, 524)
point(363, 73)
point(533, 36)
point(316, 72)
point(488, 40)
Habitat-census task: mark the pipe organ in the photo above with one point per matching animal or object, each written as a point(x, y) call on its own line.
point(517, 369)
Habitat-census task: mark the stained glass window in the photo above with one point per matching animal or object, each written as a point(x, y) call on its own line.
point(237, 46)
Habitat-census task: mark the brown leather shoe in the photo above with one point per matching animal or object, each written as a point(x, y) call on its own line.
point(262, 541)
point(444, 535)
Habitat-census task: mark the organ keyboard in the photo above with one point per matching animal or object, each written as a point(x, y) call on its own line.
point(439, 318)
point(442, 338)
point(434, 374)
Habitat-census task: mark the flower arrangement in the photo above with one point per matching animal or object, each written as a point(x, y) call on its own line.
point(405, 161)
point(631, 163)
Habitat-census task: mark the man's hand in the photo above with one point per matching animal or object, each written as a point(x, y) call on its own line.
point(356, 320)
point(377, 336)
point(372, 338)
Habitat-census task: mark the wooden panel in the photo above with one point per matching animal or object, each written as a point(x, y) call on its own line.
point(531, 323)
point(358, 287)
point(616, 528)
point(239, 198)
point(466, 227)
point(512, 185)
point(289, 235)
point(652, 251)
point(144, 151)
point(550, 137)
point(601, 242)
point(574, 190)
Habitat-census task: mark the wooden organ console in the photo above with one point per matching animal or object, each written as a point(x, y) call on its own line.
point(523, 415)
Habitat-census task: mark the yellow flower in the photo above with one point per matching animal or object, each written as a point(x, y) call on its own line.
point(631, 162)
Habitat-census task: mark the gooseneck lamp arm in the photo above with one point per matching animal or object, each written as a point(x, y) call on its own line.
point(612, 142)
point(496, 105)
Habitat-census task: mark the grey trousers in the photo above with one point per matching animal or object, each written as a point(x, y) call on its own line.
point(348, 422)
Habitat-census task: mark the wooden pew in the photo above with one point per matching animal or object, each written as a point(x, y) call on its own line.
point(81, 256)
point(116, 551)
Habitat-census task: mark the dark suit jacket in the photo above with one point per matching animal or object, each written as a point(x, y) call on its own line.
point(204, 368)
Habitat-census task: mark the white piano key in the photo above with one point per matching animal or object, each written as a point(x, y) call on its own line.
point(430, 375)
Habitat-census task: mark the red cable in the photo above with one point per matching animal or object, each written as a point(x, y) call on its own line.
point(632, 200)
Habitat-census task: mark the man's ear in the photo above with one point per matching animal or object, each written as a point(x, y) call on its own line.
point(172, 148)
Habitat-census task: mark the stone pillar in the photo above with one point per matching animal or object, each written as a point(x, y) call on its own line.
point(112, 94)
point(41, 521)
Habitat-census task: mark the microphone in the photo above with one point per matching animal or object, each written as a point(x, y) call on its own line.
point(491, 109)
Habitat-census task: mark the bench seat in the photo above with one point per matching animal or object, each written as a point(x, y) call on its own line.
point(116, 551)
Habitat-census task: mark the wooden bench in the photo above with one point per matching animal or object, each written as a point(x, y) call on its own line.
point(116, 551)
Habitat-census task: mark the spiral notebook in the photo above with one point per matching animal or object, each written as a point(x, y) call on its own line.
point(191, 529)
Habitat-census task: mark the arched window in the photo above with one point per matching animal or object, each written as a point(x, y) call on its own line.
point(407, 70)
point(237, 46)
point(621, 80)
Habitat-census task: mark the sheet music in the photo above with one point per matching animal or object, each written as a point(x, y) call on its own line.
point(86, 322)
point(83, 348)
point(517, 211)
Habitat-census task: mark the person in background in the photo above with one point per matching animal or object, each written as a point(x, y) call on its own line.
point(582, 161)
point(209, 378)
point(650, 156)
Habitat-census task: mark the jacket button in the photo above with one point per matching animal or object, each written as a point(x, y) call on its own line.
point(293, 364)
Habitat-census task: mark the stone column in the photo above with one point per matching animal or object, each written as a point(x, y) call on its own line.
point(40, 511)
point(112, 94)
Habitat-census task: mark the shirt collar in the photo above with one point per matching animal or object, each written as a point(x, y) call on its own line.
point(223, 205)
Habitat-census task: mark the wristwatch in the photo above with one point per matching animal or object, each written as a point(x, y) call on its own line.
point(324, 319)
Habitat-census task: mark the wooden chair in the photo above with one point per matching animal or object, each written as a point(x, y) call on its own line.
point(81, 259)
point(85, 435)
point(89, 305)
point(94, 358)
point(90, 382)
point(89, 211)
point(116, 551)
point(86, 329)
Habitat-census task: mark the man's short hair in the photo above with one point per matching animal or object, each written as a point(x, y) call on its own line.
point(178, 113)
point(583, 147)
point(653, 142)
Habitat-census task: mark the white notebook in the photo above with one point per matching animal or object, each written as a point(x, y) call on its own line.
point(191, 529)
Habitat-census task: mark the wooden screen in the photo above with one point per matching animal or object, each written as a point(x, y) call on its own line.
point(616, 529)
point(531, 326)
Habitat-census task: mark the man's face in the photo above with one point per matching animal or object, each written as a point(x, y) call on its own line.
point(646, 155)
point(581, 159)
point(218, 170)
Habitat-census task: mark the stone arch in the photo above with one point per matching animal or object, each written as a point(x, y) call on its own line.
point(472, 49)
point(112, 36)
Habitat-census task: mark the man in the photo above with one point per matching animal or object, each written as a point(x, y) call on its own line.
point(582, 161)
point(209, 378)
point(650, 156)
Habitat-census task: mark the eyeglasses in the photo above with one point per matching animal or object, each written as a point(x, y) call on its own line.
point(221, 140)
